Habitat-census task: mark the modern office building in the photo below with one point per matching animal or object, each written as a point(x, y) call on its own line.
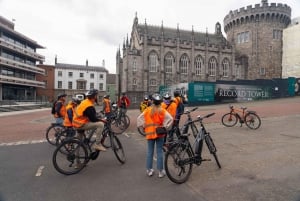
point(18, 59)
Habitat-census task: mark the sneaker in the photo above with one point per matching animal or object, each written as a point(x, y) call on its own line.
point(161, 173)
point(79, 165)
point(150, 172)
point(99, 147)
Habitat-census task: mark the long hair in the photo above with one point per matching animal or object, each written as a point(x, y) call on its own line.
point(155, 109)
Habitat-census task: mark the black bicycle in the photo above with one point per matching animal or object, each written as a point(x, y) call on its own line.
point(56, 133)
point(181, 154)
point(72, 155)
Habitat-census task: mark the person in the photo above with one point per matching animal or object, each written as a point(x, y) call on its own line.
point(60, 109)
point(171, 107)
point(152, 118)
point(70, 109)
point(85, 118)
point(179, 106)
point(124, 103)
point(107, 109)
point(145, 103)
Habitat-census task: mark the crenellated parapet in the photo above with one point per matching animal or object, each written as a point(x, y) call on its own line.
point(260, 12)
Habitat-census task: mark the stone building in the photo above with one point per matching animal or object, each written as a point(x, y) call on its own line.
point(256, 36)
point(157, 55)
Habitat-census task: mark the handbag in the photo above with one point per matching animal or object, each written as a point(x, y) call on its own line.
point(161, 130)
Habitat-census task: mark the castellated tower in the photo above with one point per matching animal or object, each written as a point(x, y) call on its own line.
point(256, 34)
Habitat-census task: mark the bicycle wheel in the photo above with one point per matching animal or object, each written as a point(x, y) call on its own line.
point(252, 120)
point(118, 125)
point(126, 119)
point(141, 131)
point(53, 134)
point(229, 119)
point(212, 148)
point(118, 148)
point(105, 141)
point(70, 157)
point(177, 168)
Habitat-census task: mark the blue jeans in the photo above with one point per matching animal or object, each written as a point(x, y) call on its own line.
point(159, 152)
point(59, 120)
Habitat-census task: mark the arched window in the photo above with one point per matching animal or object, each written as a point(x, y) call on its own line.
point(184, 64)
point(225, 67)
point(134, 64)
point(169, 63)
point(153, 62)
point(134, 81)
point(212, 65)
point(199, 65)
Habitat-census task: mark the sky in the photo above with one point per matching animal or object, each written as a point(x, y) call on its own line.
point(93, 30)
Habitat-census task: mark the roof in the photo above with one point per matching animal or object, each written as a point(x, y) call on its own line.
point(81, 67)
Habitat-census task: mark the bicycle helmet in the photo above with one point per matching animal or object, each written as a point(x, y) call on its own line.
point(91, 93)
point(167, 96)
point(146, 98)
point(176, 93)
point(157, 99)
point(76, 100)
point(106, 96)
point(61, 95)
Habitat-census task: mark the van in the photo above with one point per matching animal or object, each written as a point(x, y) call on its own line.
point(80, 96)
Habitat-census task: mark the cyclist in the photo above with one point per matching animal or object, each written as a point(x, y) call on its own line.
point(179, 106)
point(60, 108)
point(85, 117)
point(171, 107)
point(145, 103)
point(69, 115)
point(124, 103)
point(152, 118)
point(107, 109)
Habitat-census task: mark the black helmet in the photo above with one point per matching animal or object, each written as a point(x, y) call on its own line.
point(75, 100)
point(157, 99)
point(146, 98)
point(176, 93)
point(106, 96)
point(167, 96)
point(91, 92)
point(61, 95)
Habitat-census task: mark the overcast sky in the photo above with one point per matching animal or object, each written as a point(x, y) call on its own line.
point(80, 30)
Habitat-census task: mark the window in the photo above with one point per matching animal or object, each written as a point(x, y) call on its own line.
point(262, 71)
point(169, 63)
point(46, 72)
point(134, 81)
point(198, 65)
point(134, 65)
point(101, 86)
point(92, 75)
point(225, 68)
point(153, 62)
point(92, 85)
point(212, 65)
point(101, 76)
point(70, 74)
point(46, 83)
point(152, 82)
point(277, 34)
point(238, 73)
point(70, 85)
point(81, 75)
point(243, 37)
point(81, 85)
point(183, 65)
point(59, 73)
point(59, 84)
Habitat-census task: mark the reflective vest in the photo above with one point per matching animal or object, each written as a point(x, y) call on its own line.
point(78, 117)
point(152, 121)
point(171, 108)
point(177, 100)
point(67, 121)
point(62, 111)
point(107, 107)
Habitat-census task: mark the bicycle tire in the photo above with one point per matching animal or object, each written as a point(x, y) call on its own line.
point(105, 141)
point(251, 119)
point(141, 131)
point(176, 172)
point(53, 134)
point(118, 149)
point(212, 148)
point(127, 121)
point(74, 151)
point(118, 126)
point(229, 119)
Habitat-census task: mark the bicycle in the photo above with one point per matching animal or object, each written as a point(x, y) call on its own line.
point(250, 118)
point(120, 121)
point(181, 154)
point(72, 155)
point(56, 133)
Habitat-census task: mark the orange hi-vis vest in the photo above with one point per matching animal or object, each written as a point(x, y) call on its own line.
point(62, 111)
point(170, 108)
point(177, 100)
point(106, 103)
point(67, 122)
point(152, 121)
point(78, 118)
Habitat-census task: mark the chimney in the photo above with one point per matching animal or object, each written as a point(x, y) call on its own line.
point(103, 63)
point(55, 60)
point(87, 63)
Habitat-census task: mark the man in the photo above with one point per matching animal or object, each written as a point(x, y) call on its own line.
point(179, 106)
point(171, 107)
point(145, 103)
point(85, 117)
point(106, 106)
point(60, 108)
point(124, 102)
point(70, 109)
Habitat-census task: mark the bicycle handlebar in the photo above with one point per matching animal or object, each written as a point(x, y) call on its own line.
point(189, 111)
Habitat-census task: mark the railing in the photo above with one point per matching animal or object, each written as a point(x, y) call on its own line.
point(20, 81)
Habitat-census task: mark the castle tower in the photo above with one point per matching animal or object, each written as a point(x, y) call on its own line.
point(256, 34)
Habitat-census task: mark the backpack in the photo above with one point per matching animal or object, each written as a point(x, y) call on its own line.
point(53, 107)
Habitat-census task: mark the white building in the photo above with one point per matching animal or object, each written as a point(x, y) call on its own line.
point(291, 50)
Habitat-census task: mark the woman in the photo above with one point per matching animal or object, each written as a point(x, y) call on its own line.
point(152, 118)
